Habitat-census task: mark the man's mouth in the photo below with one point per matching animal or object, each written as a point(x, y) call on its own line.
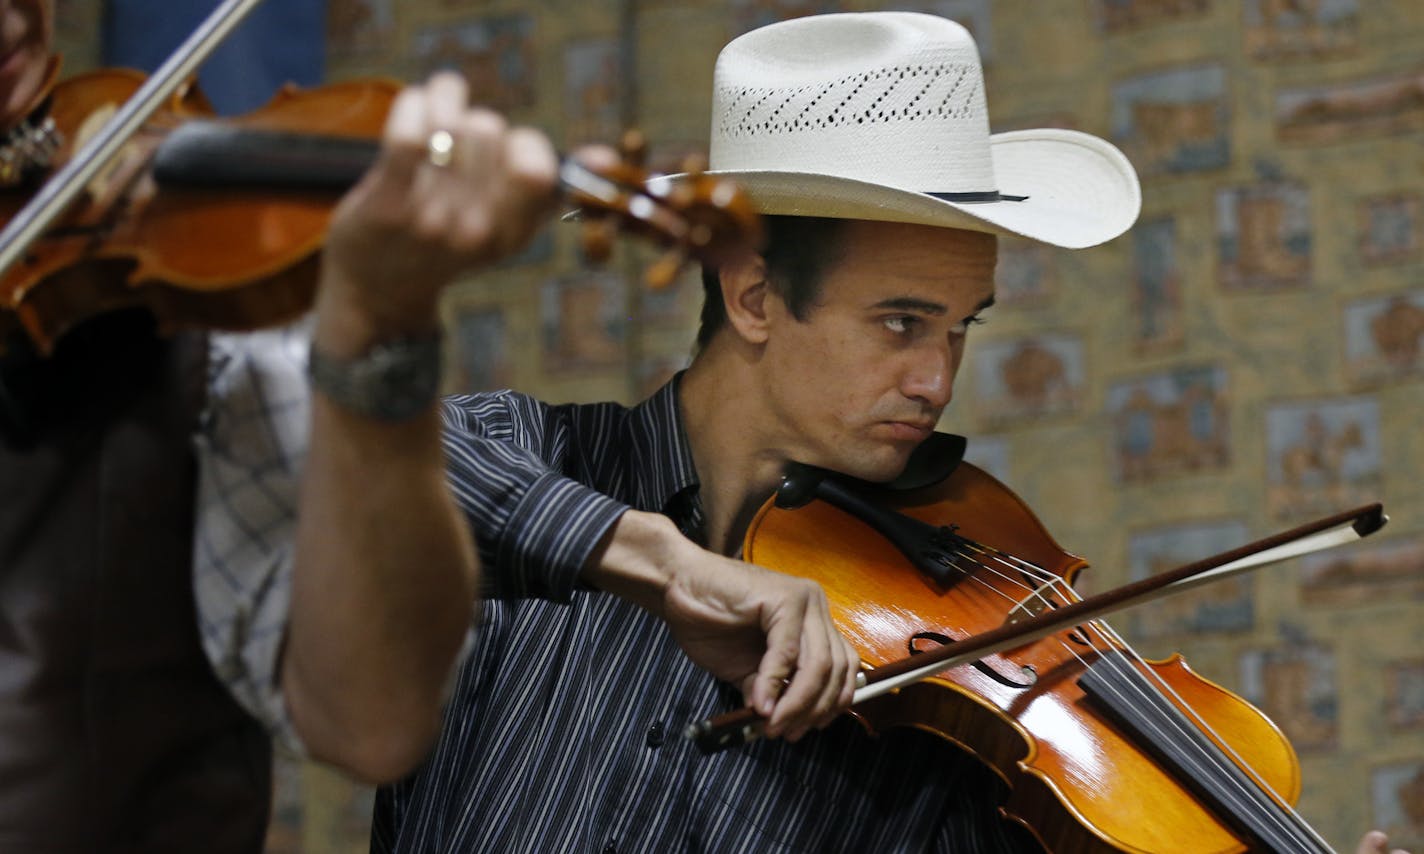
point(910, 430)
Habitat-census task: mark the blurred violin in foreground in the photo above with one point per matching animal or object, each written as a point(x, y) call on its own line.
point(218, 223)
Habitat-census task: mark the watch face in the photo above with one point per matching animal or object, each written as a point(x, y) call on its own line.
point(391, 382)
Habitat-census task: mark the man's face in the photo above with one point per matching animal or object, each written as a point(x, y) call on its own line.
point(25, 31)
point(863, 380)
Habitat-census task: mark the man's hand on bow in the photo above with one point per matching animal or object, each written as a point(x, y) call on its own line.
point(768, 633)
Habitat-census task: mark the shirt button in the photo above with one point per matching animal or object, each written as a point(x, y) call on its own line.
point(656, 735)
point(610, 848)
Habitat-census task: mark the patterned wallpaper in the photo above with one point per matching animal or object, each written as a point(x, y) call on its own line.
point(1250, 356)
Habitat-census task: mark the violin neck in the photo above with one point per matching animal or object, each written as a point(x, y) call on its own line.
point(212, 154)
point(215, 154)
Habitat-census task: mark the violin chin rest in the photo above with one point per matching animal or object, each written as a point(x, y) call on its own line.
point(933, 461)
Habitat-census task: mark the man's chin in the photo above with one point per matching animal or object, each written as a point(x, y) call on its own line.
point(878, 465)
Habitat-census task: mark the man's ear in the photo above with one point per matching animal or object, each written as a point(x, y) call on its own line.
point(745, 293)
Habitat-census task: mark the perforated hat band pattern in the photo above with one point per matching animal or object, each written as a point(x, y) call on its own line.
point(905, 93)
point(921, 126)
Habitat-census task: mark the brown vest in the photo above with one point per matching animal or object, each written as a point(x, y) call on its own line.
point(114, 733)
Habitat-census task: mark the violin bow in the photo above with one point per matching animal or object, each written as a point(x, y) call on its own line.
point(745, 725)
point(59, 192)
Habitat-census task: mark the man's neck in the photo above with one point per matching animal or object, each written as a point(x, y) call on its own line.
point(728, 427)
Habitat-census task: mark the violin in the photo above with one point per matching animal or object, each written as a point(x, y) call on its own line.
point(216, 260)
point(218, 224)
point(1101, 749)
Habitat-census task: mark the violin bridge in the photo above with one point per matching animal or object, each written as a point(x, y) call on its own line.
point(1047, 595)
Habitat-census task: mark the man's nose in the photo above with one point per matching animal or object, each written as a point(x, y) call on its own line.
point(931, 378)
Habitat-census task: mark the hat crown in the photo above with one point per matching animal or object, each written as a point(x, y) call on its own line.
point(892, 98)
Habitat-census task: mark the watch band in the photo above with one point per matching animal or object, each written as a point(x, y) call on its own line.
point(392, 381)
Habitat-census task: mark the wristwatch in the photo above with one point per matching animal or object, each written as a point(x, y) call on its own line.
point(393, 381)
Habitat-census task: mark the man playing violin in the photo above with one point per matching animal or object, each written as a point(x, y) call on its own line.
point(115, 735)
point(614, 614)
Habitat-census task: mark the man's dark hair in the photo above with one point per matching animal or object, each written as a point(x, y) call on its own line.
point(798, 251)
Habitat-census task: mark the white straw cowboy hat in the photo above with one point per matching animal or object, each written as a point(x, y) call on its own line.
point(881, 116)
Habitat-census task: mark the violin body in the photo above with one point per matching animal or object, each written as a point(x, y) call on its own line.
point(216, 257)
point(1078, 780)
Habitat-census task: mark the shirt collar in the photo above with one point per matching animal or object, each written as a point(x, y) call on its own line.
point(668, 474)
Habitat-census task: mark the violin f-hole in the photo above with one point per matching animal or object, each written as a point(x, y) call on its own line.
point(1027, 672)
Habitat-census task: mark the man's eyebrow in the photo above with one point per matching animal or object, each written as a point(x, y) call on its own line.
point(911, 304)
point(925, 306)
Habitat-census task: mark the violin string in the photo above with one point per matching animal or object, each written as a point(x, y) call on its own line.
point(1019, 566)
point(1116, 661)
point(1140, 691)
point(1143, 680)
point(1120, 662)
point(1239, 791)
point(1146, 679)
point(1109, 658)
point(1119, 657)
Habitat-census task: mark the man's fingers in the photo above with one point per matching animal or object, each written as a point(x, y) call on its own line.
point(783, 649)
point(841, 683)
point(596, 157)
point(461, 195)
point(1376, 842)
point(449, 96)
point(402, 143)
point(848, 683)
point(477, 198)
point(771, 634)
point(822, 676)
point(416, 115)
point(531, 173)
point(531, 160)
point(826, 709)
point(801, 705)
point(479, 150)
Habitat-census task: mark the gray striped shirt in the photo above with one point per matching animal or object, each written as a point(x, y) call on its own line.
point(562, 733)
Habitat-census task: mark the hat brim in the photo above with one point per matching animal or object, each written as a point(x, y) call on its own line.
point(1081, 191)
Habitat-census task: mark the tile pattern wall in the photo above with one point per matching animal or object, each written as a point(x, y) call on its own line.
point(1250, 356)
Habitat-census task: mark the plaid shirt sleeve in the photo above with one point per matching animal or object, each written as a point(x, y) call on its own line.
point(250, 448)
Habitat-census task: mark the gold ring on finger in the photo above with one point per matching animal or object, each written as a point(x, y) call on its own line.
point(440, 149)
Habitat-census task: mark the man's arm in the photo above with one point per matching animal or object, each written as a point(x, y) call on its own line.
point(385, 571)
point(769, 633)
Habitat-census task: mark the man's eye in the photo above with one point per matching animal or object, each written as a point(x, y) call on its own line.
point(962, 327)
point(900, 323)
